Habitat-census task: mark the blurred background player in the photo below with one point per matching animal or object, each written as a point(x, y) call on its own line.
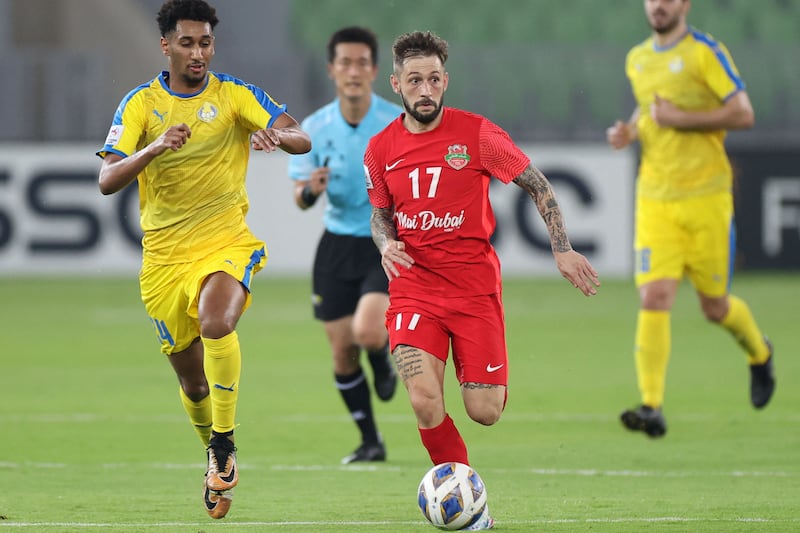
point(689, 93)
point(428, 176)
point(350, 290)
point(186, 136)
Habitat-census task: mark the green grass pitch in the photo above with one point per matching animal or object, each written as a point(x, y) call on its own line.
point(94, 437)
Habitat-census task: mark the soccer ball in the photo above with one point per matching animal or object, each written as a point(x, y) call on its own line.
point(451, 496)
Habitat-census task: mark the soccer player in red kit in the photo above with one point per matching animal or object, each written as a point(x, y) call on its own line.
point(428, 176)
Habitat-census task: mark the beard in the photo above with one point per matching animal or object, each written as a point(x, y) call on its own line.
point(193, 80)
point(423, 118)
point(665, 25)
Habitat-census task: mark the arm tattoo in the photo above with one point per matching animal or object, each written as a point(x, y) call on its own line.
point(408, 361)
point(535, 183)
point(382, 225)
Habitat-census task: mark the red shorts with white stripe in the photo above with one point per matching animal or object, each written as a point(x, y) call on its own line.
point(474, 327)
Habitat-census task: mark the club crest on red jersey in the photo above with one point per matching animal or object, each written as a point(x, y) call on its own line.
point(457, 156)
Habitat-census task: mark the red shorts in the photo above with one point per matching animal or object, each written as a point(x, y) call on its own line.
point(474, 326)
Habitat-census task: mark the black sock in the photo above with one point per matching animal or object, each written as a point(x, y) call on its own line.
point(355, 393)
point(379, 361)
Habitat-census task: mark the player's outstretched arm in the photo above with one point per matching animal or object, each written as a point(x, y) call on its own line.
point(285, 134)
point(572, 265)
point(384, 234)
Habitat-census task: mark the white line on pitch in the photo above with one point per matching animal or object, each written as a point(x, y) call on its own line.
point(232, 524)
point(580, 472)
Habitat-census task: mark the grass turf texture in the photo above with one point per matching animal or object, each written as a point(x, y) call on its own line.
point(94, 437)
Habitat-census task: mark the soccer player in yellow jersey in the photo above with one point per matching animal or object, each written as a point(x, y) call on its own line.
point(689, 93)
point(186, 136)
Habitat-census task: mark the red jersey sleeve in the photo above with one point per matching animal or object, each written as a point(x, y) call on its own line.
point(499, 154)
point(376, 185)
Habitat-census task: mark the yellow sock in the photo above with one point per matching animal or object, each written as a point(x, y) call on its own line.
point(652, 354)
point(199, 414)
point(740, 323)
point(223, 367)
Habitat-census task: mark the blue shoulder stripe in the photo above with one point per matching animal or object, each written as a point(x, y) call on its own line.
point(124, 102)
point(723, 59)
point(266, 101)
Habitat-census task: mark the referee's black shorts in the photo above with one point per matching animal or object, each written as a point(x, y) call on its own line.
point(345, 268)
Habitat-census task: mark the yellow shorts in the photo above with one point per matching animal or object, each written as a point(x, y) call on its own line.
point(170, 292)
point(693, 237)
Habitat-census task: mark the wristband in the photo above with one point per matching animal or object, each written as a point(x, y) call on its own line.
point(308, 196)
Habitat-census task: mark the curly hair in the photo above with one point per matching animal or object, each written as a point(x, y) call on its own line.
point(174, 10)
point(418, 44)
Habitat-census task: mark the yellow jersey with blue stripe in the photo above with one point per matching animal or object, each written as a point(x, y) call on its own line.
point(192, 201)
point(696, 74)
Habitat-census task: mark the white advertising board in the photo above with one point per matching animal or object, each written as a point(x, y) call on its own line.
point(53, 219)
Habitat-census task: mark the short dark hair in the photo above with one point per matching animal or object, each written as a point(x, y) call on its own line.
point(174, 10)
point(418, 44)
point(353, 34)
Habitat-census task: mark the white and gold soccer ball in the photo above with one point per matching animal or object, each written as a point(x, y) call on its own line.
point(452, 496)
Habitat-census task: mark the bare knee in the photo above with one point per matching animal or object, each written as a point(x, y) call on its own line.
point(194, 389)
point(428, 408)
point(714, 315)
point(371, 340)
point(658, 295)
point(486, 414)
point(217, 326)
point(368, 326)
point(484, 403)
point(714, 309)
point(221, 303)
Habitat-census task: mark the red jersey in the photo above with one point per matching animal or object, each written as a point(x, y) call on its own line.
point(438, 183)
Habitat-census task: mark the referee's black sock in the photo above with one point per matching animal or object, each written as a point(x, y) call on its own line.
point(355, 393)
point(383, 370)
point(380, 361)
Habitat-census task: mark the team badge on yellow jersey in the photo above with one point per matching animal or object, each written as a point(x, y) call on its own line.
point(207, 112)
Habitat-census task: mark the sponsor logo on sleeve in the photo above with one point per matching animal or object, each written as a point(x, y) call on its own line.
point(114, 134)
point(368, 178)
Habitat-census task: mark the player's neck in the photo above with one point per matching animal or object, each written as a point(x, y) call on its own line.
point(355, 109)
point(665, 40)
